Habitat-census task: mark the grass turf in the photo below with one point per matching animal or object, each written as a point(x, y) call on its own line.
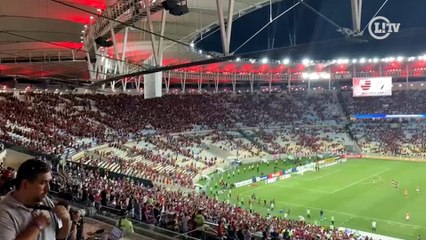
point(346, 191)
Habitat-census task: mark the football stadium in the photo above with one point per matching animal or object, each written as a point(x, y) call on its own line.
point(213, 119)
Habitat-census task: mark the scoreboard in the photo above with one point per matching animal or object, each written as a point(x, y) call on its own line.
point(372, 86)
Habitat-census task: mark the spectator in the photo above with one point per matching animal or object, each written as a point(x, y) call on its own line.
point(17, 220)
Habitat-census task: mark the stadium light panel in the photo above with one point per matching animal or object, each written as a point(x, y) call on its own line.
point(354, 60)
point(400, 59)
point(265, 60)
point(192, 44)
point(286, 61)
point(314, 76)
point(238, 59)
point(375, 60)
point(305, 61)
point(391, 59)
point(342, 61)
point(362, 60)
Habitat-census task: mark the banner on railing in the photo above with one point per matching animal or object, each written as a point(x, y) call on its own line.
point(277, 174)
point(271, 180)
point(351, 156)
point(243, 183)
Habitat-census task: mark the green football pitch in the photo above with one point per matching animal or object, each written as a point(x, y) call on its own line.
point(345, 191)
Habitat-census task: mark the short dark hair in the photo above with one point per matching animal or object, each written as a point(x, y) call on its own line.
point(30, 170)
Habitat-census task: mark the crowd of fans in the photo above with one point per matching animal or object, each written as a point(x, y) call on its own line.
point(396, 136)
point(140, 143)
point(185, 212)
point(401, 102)
point(304, 141)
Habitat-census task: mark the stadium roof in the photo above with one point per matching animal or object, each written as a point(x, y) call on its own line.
point(310, 30)
point(42, 38)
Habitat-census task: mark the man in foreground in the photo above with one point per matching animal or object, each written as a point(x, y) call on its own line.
point(20, 214)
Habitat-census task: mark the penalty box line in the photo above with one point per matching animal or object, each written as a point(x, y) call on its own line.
point(351, 215)
point(361, 180)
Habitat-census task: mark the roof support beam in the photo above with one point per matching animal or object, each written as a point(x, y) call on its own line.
point(225, 31)
point(356, 16)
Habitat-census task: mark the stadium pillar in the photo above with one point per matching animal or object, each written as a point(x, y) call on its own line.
point(167, 81)
point(234, 82)
point(138, 83)
point(124, 84)
point(200, 82)
point(151, 28)
point(289, 81)
point(183, 82)
point(270, 82)
point(309, 85)
point(153, 82)
point(152, 85)
point(251, 82)
point(216, 83)
point(354, 71)
point(329, 79)
point(380, 69)
point(406, 74)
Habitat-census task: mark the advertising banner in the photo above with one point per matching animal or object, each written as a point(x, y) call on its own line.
point(277, 174)
point(243, 183)
point(270, 180)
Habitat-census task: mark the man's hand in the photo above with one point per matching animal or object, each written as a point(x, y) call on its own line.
point(41, 220)
point(62, 213)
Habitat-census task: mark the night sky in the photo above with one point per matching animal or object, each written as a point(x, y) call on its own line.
point(301, 33)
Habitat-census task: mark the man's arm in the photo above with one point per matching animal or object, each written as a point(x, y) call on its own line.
point(63, 214)
point(65, 230)
point(31, 232)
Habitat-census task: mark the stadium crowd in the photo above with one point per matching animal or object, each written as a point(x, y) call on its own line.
point(139, 142)
point(184, 210)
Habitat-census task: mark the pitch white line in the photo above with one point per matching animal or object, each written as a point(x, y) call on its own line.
point(361, 180)
point(325, 175)
point(304, 189)
point(352, 215)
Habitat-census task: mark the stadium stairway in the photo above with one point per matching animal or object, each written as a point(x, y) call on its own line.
point(253, 141)
point(217, 151)
point(351, 139)
point(338, 99)
point(341, 105)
